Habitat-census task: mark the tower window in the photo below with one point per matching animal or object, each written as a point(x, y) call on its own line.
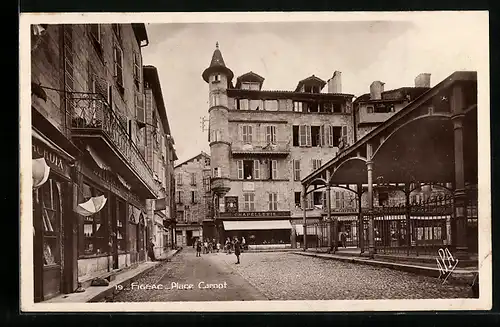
point(216, 78)
point(214, 99)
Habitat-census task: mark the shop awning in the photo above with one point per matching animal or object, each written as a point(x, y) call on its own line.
point(92, 206)
point(98, 160)
point(257, 225)
point(41, 172)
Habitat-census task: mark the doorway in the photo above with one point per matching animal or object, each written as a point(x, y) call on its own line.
point(47, 220)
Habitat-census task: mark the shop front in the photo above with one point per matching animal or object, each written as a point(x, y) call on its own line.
point(268, 229)
point(52, 218)
point(113, 237)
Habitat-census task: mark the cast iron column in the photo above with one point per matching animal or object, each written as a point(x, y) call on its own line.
point(369, 168)
point(329, 211)
point(361, 225)
point(305, 215)
point(459, 194)
point(408, 220)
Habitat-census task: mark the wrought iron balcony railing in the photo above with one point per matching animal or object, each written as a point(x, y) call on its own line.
point(277, 147)
point(91, 113)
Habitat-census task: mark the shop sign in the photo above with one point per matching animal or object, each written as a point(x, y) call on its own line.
point(258, 214)
point(54, 160)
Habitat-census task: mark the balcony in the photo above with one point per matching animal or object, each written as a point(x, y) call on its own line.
point(97, 125)
point(279, 148)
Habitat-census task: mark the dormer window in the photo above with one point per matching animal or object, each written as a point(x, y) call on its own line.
point(311, 89)
point(250, 86)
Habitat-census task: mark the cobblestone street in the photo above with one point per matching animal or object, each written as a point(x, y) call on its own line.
point(283, 276)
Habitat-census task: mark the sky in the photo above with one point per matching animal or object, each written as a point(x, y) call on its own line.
point(394, 52)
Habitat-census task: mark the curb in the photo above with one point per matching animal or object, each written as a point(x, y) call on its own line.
point(113, 291)
point(458, 277)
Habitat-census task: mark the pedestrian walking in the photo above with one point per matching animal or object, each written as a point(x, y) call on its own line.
point(210, 246)
point(243, 243)
point(343, 239)
point(237, 250)
point(198, 248)
point(205, 247)
point(228, 246)
point(151, 250)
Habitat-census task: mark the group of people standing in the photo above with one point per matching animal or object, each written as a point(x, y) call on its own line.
point(207, 246)
point(210, 246)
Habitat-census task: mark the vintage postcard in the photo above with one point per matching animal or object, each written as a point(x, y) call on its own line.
point(255, 162)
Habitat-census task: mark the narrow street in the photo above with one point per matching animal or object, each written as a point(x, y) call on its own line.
point(280, 276)
point(195, 279)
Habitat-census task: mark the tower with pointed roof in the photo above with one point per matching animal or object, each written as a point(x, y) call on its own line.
point(218, 77)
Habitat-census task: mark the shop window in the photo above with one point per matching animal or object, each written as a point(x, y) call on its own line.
point(50, 194)
point(121, 240)
point(95, 233)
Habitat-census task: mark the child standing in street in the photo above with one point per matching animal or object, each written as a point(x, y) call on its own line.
point(198, 248)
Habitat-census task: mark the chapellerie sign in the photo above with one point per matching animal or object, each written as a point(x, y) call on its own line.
point(259, 214)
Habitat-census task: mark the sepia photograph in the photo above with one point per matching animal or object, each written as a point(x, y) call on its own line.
point(255, 162)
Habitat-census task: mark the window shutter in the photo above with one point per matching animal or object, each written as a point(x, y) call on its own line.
point(322, 135)
point(268, 134)
point(274, 169)
point(296, 170)
point(326, 130)
point(256, 168)
point(240, 169)
point(344, 132)
point(308, 135)
point(249, 133)
point(139, 107)
point(302, 135)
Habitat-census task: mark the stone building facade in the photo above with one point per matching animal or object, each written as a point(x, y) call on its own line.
point(263, 143)
point(90, 215)
point(192, 197)
point(161, 157)
point(372, 109)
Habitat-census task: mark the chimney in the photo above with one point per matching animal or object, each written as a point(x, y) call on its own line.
point(423, 80)
point(335, 83)
point(376, 89)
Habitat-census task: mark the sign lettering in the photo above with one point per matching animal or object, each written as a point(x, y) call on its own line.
point(256, 214)
point(54, 161)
